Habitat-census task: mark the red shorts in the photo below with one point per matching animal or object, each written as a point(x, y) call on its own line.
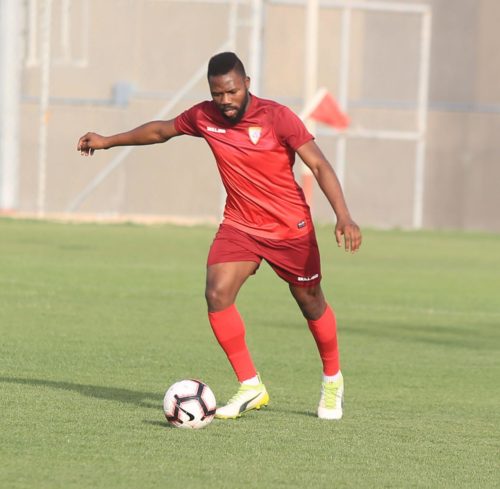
point(295, 260)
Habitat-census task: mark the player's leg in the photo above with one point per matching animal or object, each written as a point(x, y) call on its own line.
point(323, 326)
point(297, 261)
point(233, 257)
point(322, 323)
point(224, 280)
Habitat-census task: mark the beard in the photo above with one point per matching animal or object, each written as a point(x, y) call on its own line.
point(240, 113)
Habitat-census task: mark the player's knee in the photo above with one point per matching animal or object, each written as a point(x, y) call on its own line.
point(217, 298)
point(310, 300)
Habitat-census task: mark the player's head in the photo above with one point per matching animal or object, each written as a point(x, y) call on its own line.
point(223, 63)
point(229, 85)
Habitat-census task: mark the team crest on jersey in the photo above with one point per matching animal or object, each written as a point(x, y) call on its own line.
point(254, 134)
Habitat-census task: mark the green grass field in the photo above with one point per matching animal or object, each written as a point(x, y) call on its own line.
point(96, 321)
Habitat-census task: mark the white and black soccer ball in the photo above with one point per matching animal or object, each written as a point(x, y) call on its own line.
point(189, 404)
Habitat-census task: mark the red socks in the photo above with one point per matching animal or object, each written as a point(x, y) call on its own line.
point(324, 331)
point(229, 330)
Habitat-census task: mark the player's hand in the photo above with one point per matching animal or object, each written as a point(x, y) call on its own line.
point(91, 141)
point(351, 234)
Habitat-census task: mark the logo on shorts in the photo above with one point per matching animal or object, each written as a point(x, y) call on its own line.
point(301, 224)
point(254, 134)
point(308, 279)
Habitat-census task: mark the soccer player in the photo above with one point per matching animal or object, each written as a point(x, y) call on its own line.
point(266, 217)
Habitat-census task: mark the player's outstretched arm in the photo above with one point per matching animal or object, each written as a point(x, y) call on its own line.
point(149, 133)
point(325, 175)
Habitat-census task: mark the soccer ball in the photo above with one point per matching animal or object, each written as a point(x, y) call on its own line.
point(189, 404)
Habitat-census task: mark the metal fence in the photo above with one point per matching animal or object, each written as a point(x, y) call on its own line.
point(420, 151)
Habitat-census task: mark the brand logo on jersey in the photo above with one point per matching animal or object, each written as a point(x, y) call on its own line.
point(254, 134)
point(216, 129)
point(301, 224)
point(308, 279)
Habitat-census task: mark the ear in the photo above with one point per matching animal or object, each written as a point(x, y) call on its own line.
point(247, 82)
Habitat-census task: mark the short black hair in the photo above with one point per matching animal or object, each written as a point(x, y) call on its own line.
point(223, 63)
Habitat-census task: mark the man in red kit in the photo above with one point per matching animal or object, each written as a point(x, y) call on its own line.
point(254, 142)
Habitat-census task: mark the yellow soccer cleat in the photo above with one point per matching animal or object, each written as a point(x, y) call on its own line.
point(247, 398)
point(332, 399)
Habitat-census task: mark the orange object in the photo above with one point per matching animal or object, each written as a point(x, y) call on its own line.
point(328, 112)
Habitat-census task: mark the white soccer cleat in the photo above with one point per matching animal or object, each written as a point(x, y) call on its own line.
point(332, 399)
point(247, 398)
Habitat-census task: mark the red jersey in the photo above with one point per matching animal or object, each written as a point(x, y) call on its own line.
point(255, 158)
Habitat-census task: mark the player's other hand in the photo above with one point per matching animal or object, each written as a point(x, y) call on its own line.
point(91, 141)
point(349, 231)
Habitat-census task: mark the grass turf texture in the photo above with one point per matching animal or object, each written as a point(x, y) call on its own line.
point(97, 321)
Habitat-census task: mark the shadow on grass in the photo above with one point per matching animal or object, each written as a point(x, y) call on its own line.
point(137, 398)
point(142, 399)
point(159, 424)
point(302, 414)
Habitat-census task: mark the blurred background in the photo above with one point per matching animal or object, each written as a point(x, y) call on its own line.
point(419, 81)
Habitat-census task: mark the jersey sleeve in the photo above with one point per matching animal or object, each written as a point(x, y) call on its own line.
point(290, 130)
point(187, 121)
